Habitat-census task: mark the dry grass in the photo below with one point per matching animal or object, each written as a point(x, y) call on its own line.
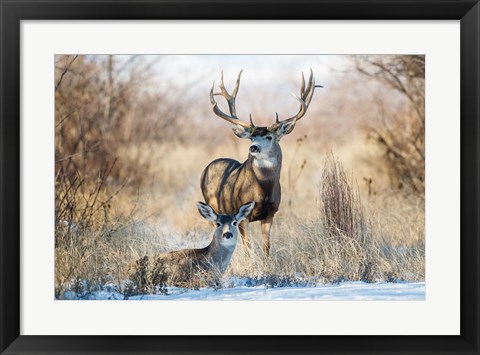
point(341, 209)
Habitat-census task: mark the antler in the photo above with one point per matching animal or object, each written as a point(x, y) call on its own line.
point(305, 98)
point(232, 118)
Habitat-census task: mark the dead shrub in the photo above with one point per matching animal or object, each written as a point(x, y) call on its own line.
point(401, 134)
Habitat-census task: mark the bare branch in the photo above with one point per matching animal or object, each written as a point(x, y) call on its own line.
point(65, 70)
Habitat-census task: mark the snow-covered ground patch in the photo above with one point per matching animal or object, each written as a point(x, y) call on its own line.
point(349, 291)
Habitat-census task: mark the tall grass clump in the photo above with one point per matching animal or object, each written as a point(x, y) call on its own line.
point(341, 210)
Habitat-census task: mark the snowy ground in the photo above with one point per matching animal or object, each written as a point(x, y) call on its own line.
point(405, 291)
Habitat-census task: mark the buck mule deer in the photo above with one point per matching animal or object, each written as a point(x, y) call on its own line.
point(180, 268)
point(227, 184)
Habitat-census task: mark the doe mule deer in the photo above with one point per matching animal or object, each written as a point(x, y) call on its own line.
point(193, 267)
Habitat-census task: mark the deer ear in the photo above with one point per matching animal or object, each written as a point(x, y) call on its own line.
point(285, 128)
point(244, 211)
point(206, 211)
point(241, 132)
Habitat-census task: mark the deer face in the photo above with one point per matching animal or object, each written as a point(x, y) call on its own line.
point(227, 225)
point(264, 139)
point(264, 143)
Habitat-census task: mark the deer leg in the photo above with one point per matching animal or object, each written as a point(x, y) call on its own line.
point(242, 227)
point(266, 226)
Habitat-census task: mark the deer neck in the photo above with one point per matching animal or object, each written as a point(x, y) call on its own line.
point(219, 254)
point(266, 167)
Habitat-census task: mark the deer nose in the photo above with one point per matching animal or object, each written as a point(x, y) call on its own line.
point(227, 235)
point(254, 149)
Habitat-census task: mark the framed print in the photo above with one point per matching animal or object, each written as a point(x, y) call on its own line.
point(145, 210)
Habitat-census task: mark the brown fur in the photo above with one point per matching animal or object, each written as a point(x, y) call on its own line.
point(226, 185)
point(182, 268)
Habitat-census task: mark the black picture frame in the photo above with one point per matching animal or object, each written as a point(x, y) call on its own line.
point(14, 11)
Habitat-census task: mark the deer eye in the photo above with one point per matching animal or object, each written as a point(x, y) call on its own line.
point(269, 138)
point(218, 224)
point(234, 223)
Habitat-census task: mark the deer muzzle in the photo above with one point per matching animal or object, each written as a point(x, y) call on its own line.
point(254, 149)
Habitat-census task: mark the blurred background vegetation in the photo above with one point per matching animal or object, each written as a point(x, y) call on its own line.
point(133, 134)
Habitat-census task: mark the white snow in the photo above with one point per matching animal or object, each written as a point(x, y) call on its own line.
point(349, 291)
